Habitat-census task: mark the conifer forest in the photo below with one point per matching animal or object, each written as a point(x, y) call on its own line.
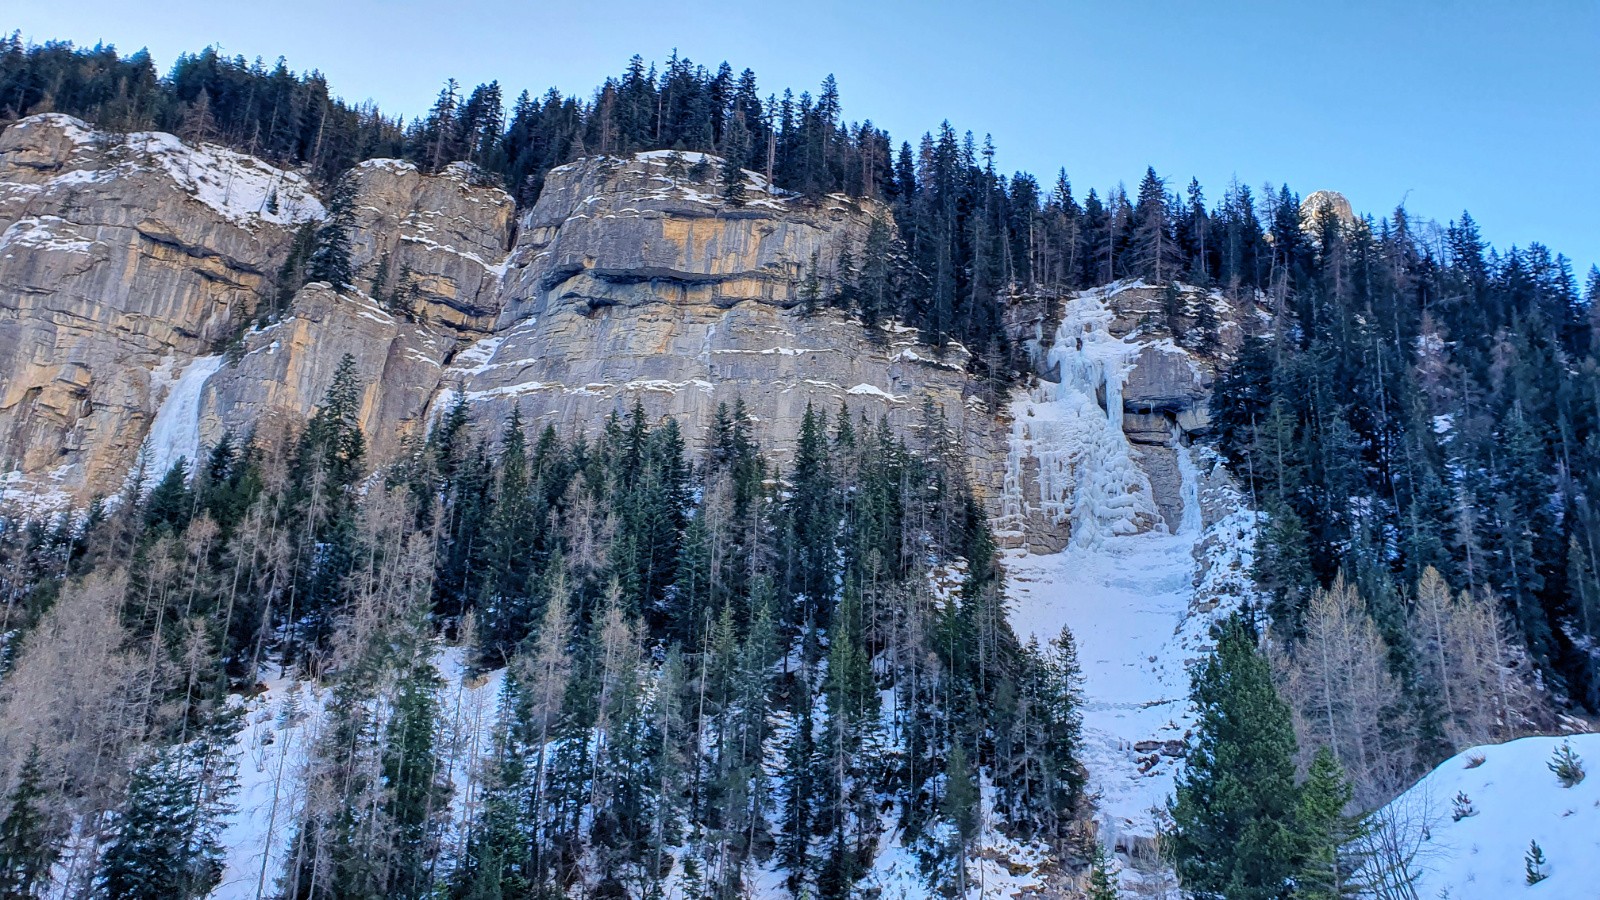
point(282, 619)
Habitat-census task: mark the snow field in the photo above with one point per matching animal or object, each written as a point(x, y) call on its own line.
point(1517, 799)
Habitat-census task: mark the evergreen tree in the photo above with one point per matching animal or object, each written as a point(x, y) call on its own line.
point(810, 293)
point(165, 839)
point(1234, 829)
point(28, 845)
point(1328, 870)
point(417, 795)
point(291, 275)
point(1102, 886)
point(1155, 249)
point(329, 259)
point(328, 463)
point(732, 181)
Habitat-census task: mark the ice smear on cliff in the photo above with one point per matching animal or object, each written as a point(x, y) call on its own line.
point(175, 433)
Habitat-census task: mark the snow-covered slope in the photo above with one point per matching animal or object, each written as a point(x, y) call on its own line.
point(1125, 584)
point(1517, 799)
point(238, 186)
point(281, 727)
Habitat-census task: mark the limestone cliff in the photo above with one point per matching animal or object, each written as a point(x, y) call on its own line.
point(121, 259)
point(444, 240)
point(131, 268)
point(633, 282)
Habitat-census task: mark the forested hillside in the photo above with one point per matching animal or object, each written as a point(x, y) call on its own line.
point(722, 677)
point(707, 676)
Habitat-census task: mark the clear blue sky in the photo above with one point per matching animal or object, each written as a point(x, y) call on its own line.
point(1490, 107)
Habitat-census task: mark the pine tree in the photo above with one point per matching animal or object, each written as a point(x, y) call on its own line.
point(1328, 871)
point(1567, 766)
point(291, 275)
point(1534, 862)
point(28, 846)
point(961, 808)
point(1102, 885)
point(811, 513)
point(810, 294)
point(328, 463)
point(1234, 832)
point(380, 283)
point(732, 182)
point(1156, 252)
point(417, 795)
point(799, 782)
point(330, 257)
point(165, 839)
point(875, 289)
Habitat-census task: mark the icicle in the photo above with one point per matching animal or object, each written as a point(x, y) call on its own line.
point(1073, 428)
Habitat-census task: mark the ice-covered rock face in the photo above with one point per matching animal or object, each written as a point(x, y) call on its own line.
point(1120, 530)
point(1114, 386)
point(120, 257)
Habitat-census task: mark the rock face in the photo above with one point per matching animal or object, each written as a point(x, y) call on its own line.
point(444, 238)
point(286, 368)
point(633, 283)
point(119, 260)
point(131, 269)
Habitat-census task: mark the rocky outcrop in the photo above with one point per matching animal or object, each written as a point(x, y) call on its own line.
point(129, 268)
point(287, 367)
point(1318, 203)
point(133, 266)
point(632, 282)
point(119, 258)
point(443, 239)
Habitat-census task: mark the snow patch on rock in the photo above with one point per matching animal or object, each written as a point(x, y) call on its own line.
point(240, 187)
